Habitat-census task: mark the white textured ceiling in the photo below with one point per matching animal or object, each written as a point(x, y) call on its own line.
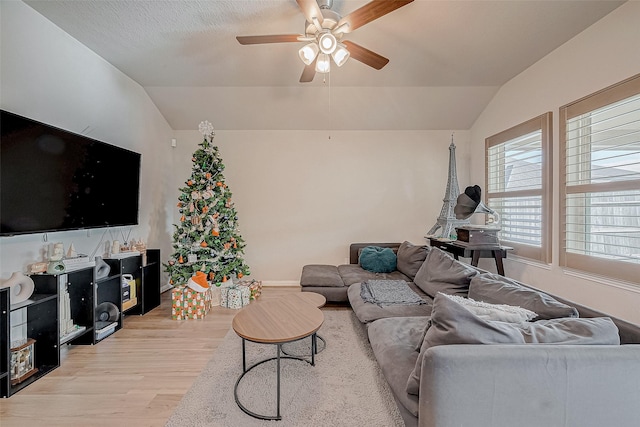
point(447, 58)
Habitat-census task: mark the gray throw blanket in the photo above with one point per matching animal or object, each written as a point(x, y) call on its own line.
point(389, 292)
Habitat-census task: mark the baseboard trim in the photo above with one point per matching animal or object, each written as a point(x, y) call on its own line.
point(280, 283)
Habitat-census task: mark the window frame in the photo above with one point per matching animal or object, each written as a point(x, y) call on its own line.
point(544, 124)
point(609, 268)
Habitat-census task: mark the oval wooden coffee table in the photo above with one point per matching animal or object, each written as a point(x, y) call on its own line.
point(316, 300)
point(275, 322)
point(312, 298)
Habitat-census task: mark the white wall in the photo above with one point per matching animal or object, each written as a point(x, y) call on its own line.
point(49, 76)
point(602, 55)
point(302, 198)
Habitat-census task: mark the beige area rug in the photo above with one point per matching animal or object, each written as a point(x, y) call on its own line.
point(344, 388)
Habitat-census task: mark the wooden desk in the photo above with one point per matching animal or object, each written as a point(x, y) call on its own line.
point(462, 249)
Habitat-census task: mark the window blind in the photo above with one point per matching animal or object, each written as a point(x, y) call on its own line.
point(517, 182)
point(601, 177)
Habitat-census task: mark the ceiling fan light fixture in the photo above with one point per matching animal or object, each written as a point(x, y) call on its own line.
point(340, 55)
point(327, 43)
point(308, 53)
point(323, 64)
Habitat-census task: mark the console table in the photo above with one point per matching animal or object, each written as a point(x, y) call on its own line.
point(462, 249)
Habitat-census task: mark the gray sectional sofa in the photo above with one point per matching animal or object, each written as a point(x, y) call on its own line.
point(461, 358)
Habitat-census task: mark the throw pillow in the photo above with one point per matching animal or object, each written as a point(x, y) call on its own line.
point(410, 258)
point(496, 289)
point(452, 323)
point(377, 259)
point(500, 312)
point(441, 273)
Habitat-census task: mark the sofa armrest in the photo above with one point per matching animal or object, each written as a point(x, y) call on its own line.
point(355, 248)
point(530, 386)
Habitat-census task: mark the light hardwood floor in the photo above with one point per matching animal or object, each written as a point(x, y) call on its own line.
point(135, 377)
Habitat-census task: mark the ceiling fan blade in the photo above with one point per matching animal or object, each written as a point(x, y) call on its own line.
point(311, 11)
point(309, 72)
point(276, 38)
point(365, 55)
point(369, 12)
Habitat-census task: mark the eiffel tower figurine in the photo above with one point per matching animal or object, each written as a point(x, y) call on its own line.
point(447, 222)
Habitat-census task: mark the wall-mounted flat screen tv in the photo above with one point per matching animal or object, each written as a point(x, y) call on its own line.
point(55, 180)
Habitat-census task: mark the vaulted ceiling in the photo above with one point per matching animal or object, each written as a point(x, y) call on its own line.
point(447, 58)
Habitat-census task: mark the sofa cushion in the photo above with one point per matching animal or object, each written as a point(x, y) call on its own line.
point(320, 275)
point(393, 341)
point(496, 289)
point(452, 323)
point(501, 312)
point(367, 312)
point(353, 273)
point(441, 273)
point(410, 258)
point(377, 259)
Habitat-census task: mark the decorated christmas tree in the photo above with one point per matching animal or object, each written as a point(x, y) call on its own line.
point(207, 237)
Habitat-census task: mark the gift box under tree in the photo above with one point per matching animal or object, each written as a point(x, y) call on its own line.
point(189, 304)
point(235, 297)
point(255, 287)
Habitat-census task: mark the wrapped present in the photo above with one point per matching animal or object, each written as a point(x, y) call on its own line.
point(235, 297)
point(255, 287)
point(187, 303)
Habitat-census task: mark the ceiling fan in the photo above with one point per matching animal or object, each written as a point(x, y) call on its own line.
point(324, 31)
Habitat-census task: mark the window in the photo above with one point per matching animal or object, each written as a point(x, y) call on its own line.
point(600, 181)
point(518, 183)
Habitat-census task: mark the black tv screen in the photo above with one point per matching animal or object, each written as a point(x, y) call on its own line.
point(55, 180)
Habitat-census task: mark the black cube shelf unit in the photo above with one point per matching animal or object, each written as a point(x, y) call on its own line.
point(88, 296)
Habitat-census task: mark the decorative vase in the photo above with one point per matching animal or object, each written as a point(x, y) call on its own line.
point(21, 287)
point(102, 268)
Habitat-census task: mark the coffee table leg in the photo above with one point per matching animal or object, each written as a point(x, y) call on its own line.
point(278, 369)
point(244, 357)
point(314, 349)
point(278, 377)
